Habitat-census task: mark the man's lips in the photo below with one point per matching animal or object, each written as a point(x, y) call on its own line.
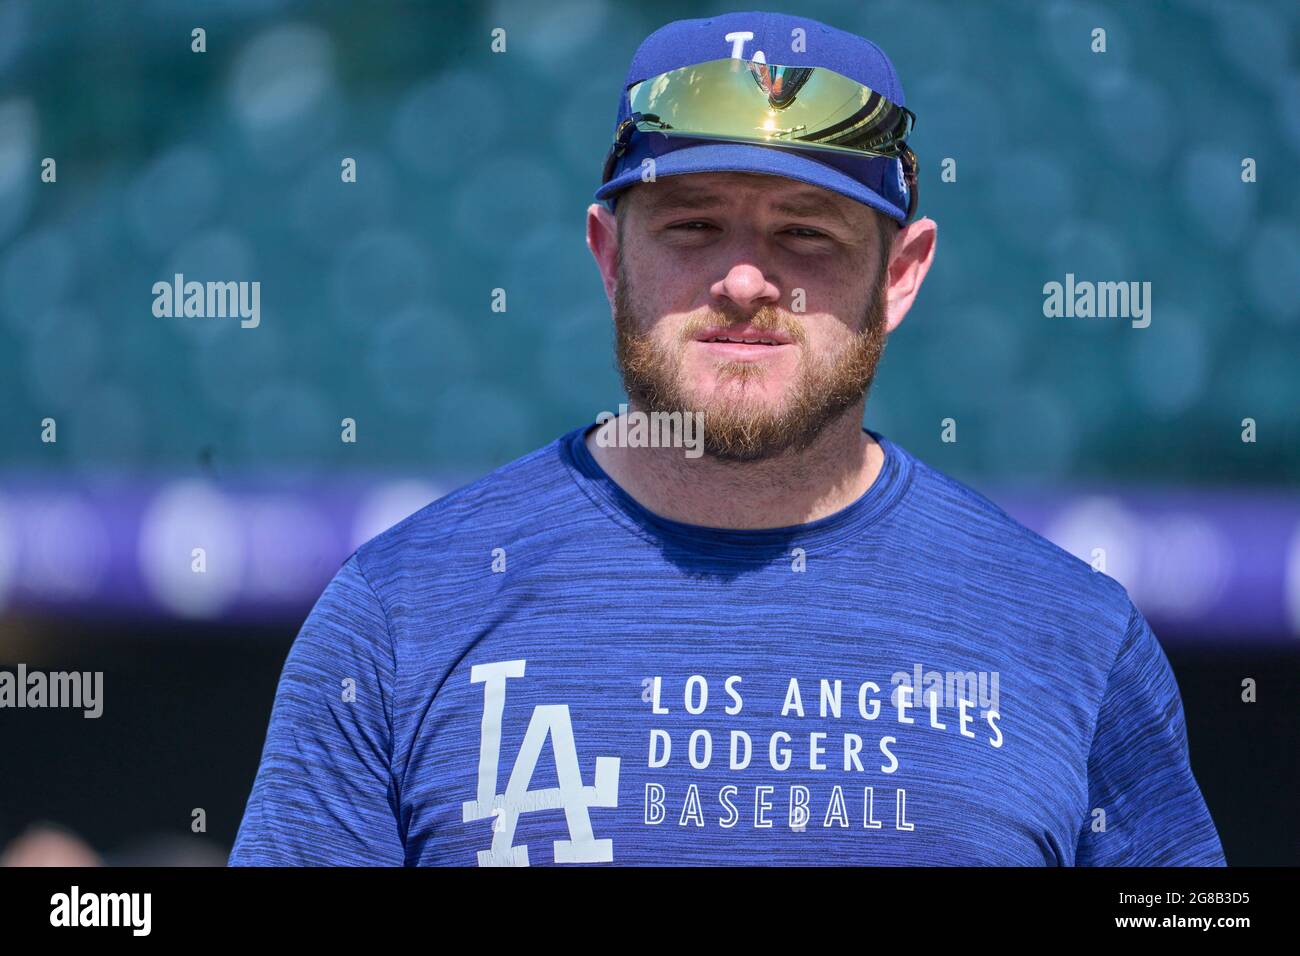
point(744, 337)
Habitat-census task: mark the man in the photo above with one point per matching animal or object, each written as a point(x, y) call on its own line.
point(796, 644)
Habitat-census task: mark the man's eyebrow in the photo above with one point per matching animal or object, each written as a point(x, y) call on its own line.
point(697, 199)
point(681, 197)
point(812, 206)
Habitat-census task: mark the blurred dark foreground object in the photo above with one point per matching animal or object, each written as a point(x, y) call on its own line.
point(49, 844)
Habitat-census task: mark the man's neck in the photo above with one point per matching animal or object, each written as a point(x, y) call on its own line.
point(793, 488)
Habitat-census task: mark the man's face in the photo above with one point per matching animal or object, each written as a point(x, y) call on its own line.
point(757, 300)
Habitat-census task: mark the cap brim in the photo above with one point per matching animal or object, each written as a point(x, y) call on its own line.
point(712, 157)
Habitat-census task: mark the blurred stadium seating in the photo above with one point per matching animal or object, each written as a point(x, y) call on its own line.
point(376, 295)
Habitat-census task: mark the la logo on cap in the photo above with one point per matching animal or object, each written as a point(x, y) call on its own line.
point(737, 40)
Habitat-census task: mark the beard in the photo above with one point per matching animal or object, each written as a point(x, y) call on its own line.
point(737, 428)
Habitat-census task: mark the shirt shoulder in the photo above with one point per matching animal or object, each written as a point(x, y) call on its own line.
point(971, 540)
point(522, 498)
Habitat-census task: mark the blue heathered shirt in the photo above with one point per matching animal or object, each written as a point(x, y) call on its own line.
point(536, 670)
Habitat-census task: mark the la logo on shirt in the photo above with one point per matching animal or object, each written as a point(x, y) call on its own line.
point(554, 722)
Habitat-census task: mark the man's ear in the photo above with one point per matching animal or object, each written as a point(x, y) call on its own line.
point(602, 240)
point(909, 261)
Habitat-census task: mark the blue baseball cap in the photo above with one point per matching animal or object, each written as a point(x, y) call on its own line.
point(881, 182)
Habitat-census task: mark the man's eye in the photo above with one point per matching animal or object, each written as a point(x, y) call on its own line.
point(699, 225)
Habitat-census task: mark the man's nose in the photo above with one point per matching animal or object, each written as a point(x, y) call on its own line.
point(747, 287)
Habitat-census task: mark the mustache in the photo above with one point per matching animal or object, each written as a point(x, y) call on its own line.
point(765, 319)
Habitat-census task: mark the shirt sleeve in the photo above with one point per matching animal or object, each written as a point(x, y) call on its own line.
point(1139, 772)
point(324, 793)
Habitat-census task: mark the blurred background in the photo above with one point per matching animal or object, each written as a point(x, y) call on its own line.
point(376, 296)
